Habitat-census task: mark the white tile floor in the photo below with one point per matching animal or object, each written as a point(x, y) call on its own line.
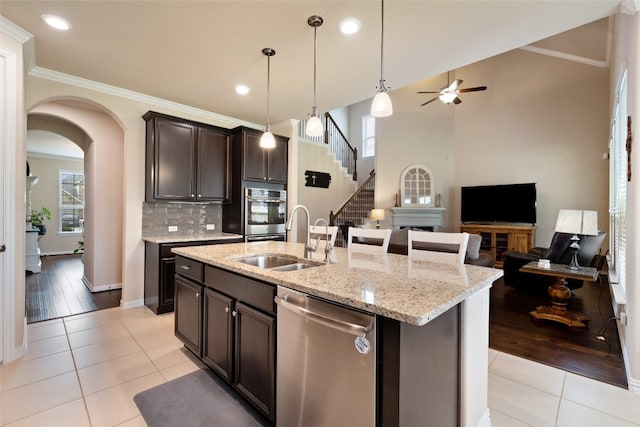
point(84, 371)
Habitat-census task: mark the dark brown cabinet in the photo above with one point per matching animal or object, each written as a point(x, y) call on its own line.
point(230, 324)
point(188, 313)
point(186, 161)
point(160, 270)
point(259, 164)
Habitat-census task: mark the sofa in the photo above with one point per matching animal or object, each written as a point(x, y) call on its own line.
point(558, 252)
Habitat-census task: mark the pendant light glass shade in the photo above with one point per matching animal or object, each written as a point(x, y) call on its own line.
point(381, 105)
point(314, 124)
point(267, 140)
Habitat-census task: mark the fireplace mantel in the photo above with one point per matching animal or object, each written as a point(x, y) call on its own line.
point(417, 217)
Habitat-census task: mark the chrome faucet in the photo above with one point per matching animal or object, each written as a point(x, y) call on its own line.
point(328, 249)
point(308, 248)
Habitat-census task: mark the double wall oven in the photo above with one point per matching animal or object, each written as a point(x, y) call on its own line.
point(265, 213)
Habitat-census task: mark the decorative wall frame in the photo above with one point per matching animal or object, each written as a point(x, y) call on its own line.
point(417, 187)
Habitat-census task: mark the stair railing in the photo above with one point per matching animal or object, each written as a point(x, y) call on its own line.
point(338, 144)
point(356, 209)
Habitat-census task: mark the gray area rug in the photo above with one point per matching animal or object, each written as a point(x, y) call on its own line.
point(197, 399)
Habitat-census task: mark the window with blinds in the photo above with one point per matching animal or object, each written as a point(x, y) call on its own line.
point(618, 186)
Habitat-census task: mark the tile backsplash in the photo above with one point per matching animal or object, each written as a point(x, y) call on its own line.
point(190, 218)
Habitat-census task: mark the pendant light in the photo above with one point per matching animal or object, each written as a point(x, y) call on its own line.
point(381, 105)
point(267, 140)
point(314, 124)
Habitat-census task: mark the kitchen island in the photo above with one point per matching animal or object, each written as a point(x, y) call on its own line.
point(414, 302)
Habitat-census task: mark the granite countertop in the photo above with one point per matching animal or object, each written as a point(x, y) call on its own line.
point(178, 238)
point(390, 285)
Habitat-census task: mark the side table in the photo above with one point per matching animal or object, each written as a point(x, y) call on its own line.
point(559, 293)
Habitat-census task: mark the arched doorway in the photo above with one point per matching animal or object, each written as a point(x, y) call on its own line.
point(101, 138)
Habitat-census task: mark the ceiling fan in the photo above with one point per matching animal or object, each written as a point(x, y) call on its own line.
point(449, 93)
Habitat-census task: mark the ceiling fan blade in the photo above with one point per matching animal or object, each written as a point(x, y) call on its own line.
point(472, 89)
point(429, 92)
point(453, 86)
point(429, 101)
point(457, 101)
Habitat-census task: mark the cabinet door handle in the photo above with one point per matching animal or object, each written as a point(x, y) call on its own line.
point(197, 294)
point(199, 195)
point(264, 177)
point(185, 267)
point(226, 309)
point(233, 313)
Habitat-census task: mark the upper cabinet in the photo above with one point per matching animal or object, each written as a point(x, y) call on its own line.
point(260, 164)
point(186, 161)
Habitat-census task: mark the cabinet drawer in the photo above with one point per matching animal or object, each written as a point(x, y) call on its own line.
point(189, 268)
point(252, 292)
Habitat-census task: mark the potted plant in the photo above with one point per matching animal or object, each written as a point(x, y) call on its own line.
point(37, 219)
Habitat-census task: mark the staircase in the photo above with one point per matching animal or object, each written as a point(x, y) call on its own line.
point(356, 209)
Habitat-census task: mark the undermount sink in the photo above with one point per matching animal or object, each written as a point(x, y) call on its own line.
point(278, 262)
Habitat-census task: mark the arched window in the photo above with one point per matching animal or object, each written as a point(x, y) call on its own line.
point(416, 187)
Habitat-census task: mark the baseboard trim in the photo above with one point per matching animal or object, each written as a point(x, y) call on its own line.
point(100, 288)
point(132, 304)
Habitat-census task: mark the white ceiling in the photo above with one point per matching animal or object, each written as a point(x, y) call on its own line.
point(47, 143)
point(195, 52)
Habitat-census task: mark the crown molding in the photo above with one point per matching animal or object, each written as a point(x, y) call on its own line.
point(567, 56)
point(56, 76)
point(630, 7)
point(13, 30)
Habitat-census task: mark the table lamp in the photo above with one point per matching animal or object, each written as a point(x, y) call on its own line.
point(377, 214)
point(576, 222)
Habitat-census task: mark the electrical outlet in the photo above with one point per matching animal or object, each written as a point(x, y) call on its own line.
point(211, 226)
point(173, 228)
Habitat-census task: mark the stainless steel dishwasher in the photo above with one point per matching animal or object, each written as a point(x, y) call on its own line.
point(326, 363)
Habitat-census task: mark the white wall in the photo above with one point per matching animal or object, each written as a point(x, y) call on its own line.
point(45, 193)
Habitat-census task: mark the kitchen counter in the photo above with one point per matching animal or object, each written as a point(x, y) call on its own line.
point(394, 286)
point(177, 238)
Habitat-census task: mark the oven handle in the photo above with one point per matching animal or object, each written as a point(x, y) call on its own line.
point(265, 237)
point(260, 199)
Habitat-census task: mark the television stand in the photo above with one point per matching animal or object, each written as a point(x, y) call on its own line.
point(499, 238)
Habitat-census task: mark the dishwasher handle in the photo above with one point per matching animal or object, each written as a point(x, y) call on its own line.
point(346, 327)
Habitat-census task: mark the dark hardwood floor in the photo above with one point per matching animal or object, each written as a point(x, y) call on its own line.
point(58, 291)
point(513, 331)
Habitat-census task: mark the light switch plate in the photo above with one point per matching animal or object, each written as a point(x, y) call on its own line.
point(211, 226)
point(173, 228)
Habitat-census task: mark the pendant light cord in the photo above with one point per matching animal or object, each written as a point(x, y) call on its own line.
point(268, 91)
point(381, 44)
point(315, 56)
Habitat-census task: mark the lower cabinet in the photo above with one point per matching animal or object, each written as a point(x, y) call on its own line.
point(188, 314)
point(228, 321)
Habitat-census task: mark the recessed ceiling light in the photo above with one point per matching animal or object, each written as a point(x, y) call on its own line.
point(242, 89)
point(350, 26)
point(56, 22)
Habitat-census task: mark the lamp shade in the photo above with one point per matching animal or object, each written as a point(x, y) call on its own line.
point(381, 105)
point(577, 222)
point(377, 214)
point(267, 140)
point(314, 126)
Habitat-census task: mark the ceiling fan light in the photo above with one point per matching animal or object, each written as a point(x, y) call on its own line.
point(381, 105)
point(448, 97)
point(267, 140)
point(314, 126)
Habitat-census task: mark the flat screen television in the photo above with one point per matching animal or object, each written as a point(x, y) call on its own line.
point(512, 203)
